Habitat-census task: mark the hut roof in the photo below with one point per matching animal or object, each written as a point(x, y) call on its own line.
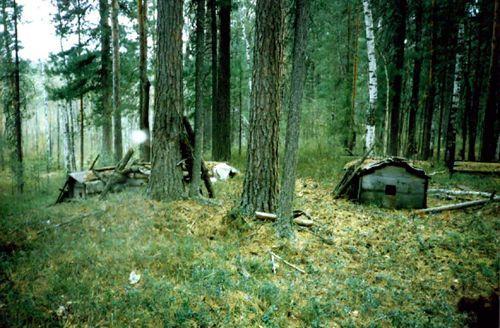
point(372, 164)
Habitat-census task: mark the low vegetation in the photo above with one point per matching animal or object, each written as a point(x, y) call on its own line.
point(69, 264)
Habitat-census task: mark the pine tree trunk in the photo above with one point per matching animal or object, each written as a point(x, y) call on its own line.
point(286, 196)
point(395, 90)
point(351, 142)
point(117, 115)
point(477, 83)
point(106, 83)
point(8, 89)
point(411, 149)
point(199, 111)
point(492, 111)
point(82, 112)
point(18, 149)
point(372, 77)
point(215, 70)
point(144, 84)
point(431, 90)
point(221, 135)
point(451, 131)
point(260, 186)
point(165, 182)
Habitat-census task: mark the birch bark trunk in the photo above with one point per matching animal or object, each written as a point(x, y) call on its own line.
point(372, 76)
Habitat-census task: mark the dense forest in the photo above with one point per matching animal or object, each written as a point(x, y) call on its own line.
point(287, 91)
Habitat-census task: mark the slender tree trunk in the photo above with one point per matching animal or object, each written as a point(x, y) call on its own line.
point(8, 89)
point(82, 112)
point(199, 112)
point(260, 186)
point(240, 107)
point(117, 115)
point(48, 134)
point(72, 148)
point(285, 210)
point(352, 113)
point(106, 83)
point(18, 156)
point(66, 137)
point(215, 70)
point(441, 117)
point(372, 77)
point(492, 111)
point(58, 133)
point(221, 135)
point(165, 182)
point(411, 149)
point(144, 84)
point(398, 38)
point(451, 131)
point(468, 94)
point(431, 89)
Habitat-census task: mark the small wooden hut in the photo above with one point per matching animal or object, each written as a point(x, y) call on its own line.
point(390, 182)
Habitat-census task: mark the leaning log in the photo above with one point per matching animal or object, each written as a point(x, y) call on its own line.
point(457, 206)
point(187, 146)
point(117, 176)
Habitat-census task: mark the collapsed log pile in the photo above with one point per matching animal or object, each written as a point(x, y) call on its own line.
point(129, 174)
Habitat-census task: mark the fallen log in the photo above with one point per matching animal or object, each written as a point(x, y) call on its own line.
point(304, 222)
point(265, 216)
point(457, 206)
point(117, 176)
point(458, 192)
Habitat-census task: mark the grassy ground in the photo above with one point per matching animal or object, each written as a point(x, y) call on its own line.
point(382, 267)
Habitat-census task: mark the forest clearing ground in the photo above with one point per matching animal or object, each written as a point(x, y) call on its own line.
point(384, 267)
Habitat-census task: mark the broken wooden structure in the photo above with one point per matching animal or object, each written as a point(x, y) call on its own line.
point(390, 182)
point(126, 173)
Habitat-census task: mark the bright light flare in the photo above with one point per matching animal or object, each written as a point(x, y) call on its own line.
point(139, 137)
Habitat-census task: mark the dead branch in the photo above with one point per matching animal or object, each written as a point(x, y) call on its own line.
point(340, 188)
point(287, 263)
point(459, 192)
point(117, 175)
point(457, 206)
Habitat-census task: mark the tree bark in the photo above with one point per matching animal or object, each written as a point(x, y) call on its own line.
point(451, 131)
point(351, 132)
point(285, 209)
point(372, 76)
point(260, 186)
point(106, 84)
point(215, 70)
point(117, 115)
point(431, 89)
point(18, 149)
point(199, 112)
point(395, 90)
point(491, 125)
point(144, 85)
point(411, 149)
point(221, 133)
point(165, 182)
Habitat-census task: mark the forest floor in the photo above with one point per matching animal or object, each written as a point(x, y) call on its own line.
point(380, 268)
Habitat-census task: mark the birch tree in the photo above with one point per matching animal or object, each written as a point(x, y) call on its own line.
point(372, 76)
